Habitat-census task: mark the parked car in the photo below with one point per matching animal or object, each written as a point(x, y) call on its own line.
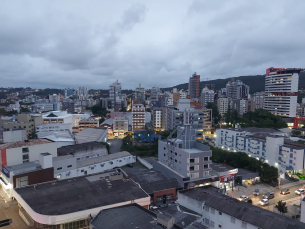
point(268, 195)
point(242, 198)
point(248, 200)
point(256, 192)
point(264, 202)
point(300, 191)
point(285, 191)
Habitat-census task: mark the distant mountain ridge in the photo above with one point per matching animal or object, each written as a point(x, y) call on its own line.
point(256, 83)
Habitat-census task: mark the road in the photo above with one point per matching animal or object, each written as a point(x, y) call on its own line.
point(115, 145)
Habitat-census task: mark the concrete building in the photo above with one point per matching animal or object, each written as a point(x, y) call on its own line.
point(268, 144)
point(194, 86)
point(223, 105)
point(43, 107)
point(12, 135)
point(221, 211)
point(154, 94)
point(27, 122)
point(92, 135)
point(237, 90)
point(207, 96)
point(140, 94)
point(88, 123)
point(120, 125)
point(138, 116)
point(25, 151)
point(184, 155)
point(74, 204)
point(54, 127)
point(68, 106)
point(68, 166)
point(61, 138)
point(259, 99)
point(114, 94)
point(281, 91)
point(54, 98)
point(158, 118)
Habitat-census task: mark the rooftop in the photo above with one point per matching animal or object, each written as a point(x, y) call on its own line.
point(90, 135)
point(129, 216)
point(89, 119)
point(24, 168)
point(30, 142)
point(72, 149)
point(221, 167)
point(248, 213)
point(78, 194)
point(57, 136)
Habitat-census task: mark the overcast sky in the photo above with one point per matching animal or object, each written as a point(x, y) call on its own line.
point(92, 43)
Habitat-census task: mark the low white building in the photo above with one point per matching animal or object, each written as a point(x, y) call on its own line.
point(68, 166)
point(54, 127)
point(221, 211)
point(12, 135)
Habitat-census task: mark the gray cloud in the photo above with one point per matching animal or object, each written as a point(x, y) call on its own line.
point(65, 44)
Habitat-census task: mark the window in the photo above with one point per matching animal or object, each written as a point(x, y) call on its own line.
point(243, 224)
point(25, 150)
point(206, 158)
point(58, 176)
point(219, 226)
point(205, 166)
point(232, 219)
point(207, 221)
point(82, 171)
point(212, 224)
point(212, 210)
point(59, 168)
point(69, 166)
point(192, 160)
point(207, 208)
point(220, 213)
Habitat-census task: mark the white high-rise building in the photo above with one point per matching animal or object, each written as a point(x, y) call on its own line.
point(281, 91)
point(207, 96)
point(115, 93)
point(223, 105)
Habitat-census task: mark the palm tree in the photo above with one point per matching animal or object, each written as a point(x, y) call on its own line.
point(281, 206)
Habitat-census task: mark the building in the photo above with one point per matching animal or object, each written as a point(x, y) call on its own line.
point(207, 96)
point(69, 166)
point(120, 125)
point(68, 106)
point(225, 173)
point(27, 122)
point(194, 86)
point(12, 135)
point(281, 91)
point(88, 123)
point(27, 173)
point(51, 127)
point(154, 94)
point(221, 211)
point(54, 98)
point(140, 94)
point(75, 201)
point(143, 136)
point(16, 153)
point(223, 105)
point(268, 144)
point(138, 116)
point(92, 135)
point(237, 90)
point(208, 129)
point(61, 138)
point(184, 155)
point(259, 99)
point(43, 107)
point(158, 118)
point(76, 118)
point(114, 94)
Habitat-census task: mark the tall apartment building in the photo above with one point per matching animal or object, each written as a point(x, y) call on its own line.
point(114, 93)
point(237, 90)
point(207, 96)
point(184, 155)
point(223, 105)
point(281, 91)
point(194, 86)
point(120, 125)
point(158, 118)
point(138, 116)
point(259, 99)
point(154, 94)
point(82, 92)
point(140, 94)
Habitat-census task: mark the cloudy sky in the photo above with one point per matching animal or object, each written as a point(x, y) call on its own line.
point(94, 42)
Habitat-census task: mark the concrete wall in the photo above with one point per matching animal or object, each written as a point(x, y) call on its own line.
point(14, 136)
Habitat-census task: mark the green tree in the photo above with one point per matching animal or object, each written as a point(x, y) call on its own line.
point(281, 207)
point(164, 134)
point(296, 133)
point(215, 113)
point(2, 111)
point(123, 109)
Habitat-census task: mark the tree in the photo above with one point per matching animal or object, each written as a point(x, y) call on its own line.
point(164, 134)
point(281, 207)
point(2, 111)
point(215, 113)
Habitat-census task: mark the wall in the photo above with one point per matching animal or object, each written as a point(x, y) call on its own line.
point(14, 136)
point(157, 194)
point(145, 163)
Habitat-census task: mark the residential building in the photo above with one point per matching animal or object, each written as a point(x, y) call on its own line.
point(43, 107)
point(54, 127)
point(154, 94)
point(12, 135)
point(114, 94)
point(88, 123)
point(237, 90)
point(158, 118)
point(207, 122)
point(210, 86)
point(223, 105)
point(221, 211)
point(281, 91)
point(300, 110)
point(194, 86)
point(92, 135)
point(68, 106)
point(54, 98)
point(185, 155)
point(75, 201)
point(138, 116)
point(140, 94)
point(259, 99)
point(61, 138)
point(268, 144)
point(120, 125)
point(207, 96)
point(15, 153)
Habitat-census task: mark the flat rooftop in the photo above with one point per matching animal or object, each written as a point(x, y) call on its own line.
point(130, 216)
point(90, 135)
point(248, 213)
point(72, 149)
point(221, 167)
point(30, 142)
point(24, 168)
point(78, 194)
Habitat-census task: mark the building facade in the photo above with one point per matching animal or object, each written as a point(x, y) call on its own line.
point(114, 93)
point(194, 86)
point(223, 105)
point(140, 94)
point(207, 96)
point(120, 125)
point(138, 116)
point(237, 90)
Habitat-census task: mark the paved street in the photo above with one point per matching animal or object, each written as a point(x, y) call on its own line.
point(115, 145)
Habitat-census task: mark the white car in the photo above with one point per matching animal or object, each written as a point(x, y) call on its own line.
point(300, 191)
point(241, 198)
point(264, 202)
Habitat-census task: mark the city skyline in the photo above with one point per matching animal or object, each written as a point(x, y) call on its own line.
point(62, 44)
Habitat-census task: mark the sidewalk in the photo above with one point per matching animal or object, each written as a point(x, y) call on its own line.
point(300, 182)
